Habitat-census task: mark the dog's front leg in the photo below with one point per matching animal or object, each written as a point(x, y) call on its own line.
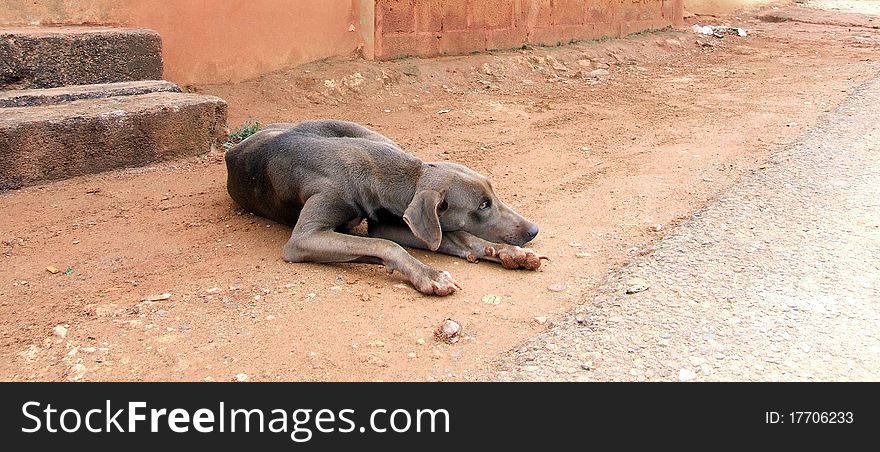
point(314, 240)
point(466, 246)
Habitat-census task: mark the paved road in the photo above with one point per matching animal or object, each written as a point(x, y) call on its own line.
point(776, 280)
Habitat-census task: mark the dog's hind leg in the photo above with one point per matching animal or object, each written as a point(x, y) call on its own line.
point(314, 240)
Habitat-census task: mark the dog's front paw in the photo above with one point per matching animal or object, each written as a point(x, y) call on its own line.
point(436, 283)
point(513, 257)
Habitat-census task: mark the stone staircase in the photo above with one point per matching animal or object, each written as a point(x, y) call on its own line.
point(80, 100)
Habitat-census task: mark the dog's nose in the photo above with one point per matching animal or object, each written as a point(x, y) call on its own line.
point(533, 231)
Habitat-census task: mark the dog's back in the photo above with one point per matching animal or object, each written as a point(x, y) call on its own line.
point(274, 171)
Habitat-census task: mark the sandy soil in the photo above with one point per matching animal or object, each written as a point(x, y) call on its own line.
point(606, 164)
point(777, 279)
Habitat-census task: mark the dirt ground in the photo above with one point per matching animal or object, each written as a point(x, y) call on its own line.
point(605, 163)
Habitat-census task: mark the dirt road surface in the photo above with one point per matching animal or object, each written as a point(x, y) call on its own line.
point(161, 277)
point(776, 280)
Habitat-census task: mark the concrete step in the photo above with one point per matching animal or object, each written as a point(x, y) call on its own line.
point(48, 57)
point(54, 96)
point(46, 142)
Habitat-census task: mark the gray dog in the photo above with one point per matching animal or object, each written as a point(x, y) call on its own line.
point(324, 177)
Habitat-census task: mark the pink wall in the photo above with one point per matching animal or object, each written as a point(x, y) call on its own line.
point(438, 27)
point(215, 41)
point(221, 41)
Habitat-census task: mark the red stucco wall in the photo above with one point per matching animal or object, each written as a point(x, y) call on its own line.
point(221, 41)
point(214, 41)
point(438, 27)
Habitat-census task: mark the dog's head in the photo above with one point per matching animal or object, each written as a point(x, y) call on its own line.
point(451, 197)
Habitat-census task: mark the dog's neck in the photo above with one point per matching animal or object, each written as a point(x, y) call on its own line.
point(399, 182)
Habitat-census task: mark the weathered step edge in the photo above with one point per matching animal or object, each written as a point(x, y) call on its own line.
point(48, 57)
point(54, 96)
point(45, 143)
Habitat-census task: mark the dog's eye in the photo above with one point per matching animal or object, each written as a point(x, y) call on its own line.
point(485, 205)
point(443, 206)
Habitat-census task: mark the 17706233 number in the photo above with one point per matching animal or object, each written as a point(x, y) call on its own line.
point(809, 417)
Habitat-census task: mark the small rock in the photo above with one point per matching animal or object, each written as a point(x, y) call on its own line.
point(557, 287)
point(587, 365)
point(228, 302)
point(87, 349)
point(492, 299)
point(686, 375)
point(411, 355)
point(76, 371)
point(541, 320)
point(162, 313)
point(30, 353)
point(420, 341)
point(583, 255)
point(242, 377)
point(575, 244)
point(161, 297)
point(52, 270)
point(60, 331)
point(448, 331)
point(599, 73)
point(636, 285)
point(696, 361)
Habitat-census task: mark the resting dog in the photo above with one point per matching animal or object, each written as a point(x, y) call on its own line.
point(324, 177)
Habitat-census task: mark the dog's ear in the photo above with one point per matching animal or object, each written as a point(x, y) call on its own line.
point(423, 218)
